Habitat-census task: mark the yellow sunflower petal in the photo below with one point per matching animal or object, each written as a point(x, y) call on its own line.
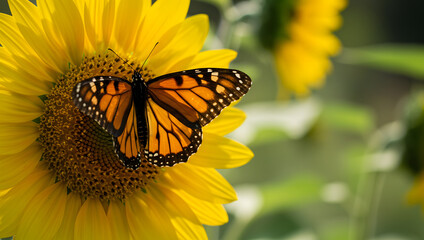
point(182, 217)
point(220, 152)
point(128, 18)
point(3, 192)
point(14, 202)
point(14, 168)
point(162, 16)
point(44, 214)
point(299, 68)
point(73, 205)
point(67, 25)
point(17, 48)
point(118, 220)
point(15, 138)
point(209, 184)
point(91, 222)
point(99, 18)
point(320, 42)
point(188, 41)
point(208, 213)
point(19, 80)
point(213, 58)
point(147, 219)
point(28, 19)
point(230, 119)
point(17, 108)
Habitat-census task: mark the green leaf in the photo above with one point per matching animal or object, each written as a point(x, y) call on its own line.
point(348, 117)
point(405, 59)
point(222, 4)
point(293, 192)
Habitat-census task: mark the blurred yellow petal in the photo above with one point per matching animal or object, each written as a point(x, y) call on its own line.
point(302, 57)
point(299, 68)
point(43, 215)
point(318, 42)
point(91, 222)
point(14, 168)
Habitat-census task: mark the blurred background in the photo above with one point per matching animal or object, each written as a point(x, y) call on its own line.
point(339, 157)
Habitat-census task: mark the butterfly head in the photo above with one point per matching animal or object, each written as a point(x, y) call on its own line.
point(136, 77)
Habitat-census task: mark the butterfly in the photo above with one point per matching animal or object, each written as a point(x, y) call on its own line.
point(161, 119)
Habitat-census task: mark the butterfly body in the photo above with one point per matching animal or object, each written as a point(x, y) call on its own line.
point(160, 120)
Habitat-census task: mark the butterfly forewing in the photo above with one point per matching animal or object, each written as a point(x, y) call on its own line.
point(169, 141)
point(107, 100)
point(197, 96)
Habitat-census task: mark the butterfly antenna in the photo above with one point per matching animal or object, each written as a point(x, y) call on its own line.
point(149, 55)
point(125, 61)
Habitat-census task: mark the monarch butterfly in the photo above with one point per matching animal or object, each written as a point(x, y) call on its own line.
point(161, 119)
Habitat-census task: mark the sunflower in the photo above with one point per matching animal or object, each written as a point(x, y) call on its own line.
point(59, 176)
point(299, 33)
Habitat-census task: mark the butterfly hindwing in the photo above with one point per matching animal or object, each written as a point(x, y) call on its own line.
point(169, 141)
point(107, 100)
point(197, 96)
point(127, 145)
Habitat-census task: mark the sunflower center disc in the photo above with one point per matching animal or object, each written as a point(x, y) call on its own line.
point(77, 149)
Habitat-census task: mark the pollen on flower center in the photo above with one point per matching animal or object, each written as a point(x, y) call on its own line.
point(77, 149)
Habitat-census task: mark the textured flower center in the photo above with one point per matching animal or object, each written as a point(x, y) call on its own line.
point(77, 149)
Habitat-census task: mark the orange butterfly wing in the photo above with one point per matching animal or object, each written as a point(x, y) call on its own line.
point(107, 100)
point(181, 103)
point(169, 141)
point(198, 96)
point(127, 145)
point(172, 107)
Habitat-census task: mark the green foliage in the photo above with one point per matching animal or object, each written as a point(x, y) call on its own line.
point(397, 58)
point(271, 121)
point(289, 193)
point(348, 117)
point(413, 141)
point(276, 15)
